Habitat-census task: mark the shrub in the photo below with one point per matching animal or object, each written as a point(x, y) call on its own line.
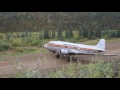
point(4, 46)
point(24, 49)
point(27, 41)
point(96, 70)
point(1, 36)
point(93, 37)
point(35, 42)
point(17, 42)
point(99, 69)
point(8, 35)
point(19, 49)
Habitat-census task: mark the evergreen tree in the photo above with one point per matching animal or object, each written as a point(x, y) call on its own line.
point(85, 33)
point(71, 33)
point(90, 34)
point(66, 34)
point(53, 33)
point(118, 34)
point(45, 34)
point(59, 34)
point(79, 33)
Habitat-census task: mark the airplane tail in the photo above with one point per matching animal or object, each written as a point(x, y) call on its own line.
point(101, 44)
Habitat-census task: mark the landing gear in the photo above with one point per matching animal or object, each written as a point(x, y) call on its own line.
point(54, 52)
point(58, 56)
point(70, 58)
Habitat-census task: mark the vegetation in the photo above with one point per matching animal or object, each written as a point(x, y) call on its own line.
point(88, 23)
point(21, 31)
point(98, 69)
point(19, 40)
point(24, 29)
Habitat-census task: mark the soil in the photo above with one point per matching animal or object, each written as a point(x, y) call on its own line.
point(47, 60)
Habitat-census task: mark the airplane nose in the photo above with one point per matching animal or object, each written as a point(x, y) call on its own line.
point(44, 46)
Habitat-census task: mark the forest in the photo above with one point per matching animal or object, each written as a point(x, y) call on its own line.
point(89, 24)
point(23, 29)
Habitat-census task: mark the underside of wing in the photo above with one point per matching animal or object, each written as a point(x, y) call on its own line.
point(74, 52)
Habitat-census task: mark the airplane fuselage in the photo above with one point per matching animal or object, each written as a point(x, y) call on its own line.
point(55, 46)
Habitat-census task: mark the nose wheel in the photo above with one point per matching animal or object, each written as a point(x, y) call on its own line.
point(70, 58)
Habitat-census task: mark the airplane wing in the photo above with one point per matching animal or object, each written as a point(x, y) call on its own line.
point(74, 52)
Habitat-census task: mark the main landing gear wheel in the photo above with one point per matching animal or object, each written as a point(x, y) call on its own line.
point(58, 56)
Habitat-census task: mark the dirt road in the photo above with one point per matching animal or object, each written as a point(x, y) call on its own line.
point(47, 60)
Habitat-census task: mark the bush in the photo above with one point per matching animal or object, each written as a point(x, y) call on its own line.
point(24, 49)
point(27, 41)
point(1, 36)
point(8, 36)
point(4, 46)
point(35, 42)
point(19, 49)
point(93, 37)
point(99, 69)
point(17, 42)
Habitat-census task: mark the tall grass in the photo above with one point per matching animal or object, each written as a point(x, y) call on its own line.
point(99, 69)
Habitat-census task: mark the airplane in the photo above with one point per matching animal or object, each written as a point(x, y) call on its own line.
point(69, 49)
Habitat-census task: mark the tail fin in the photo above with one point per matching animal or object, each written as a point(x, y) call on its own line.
point(101, 44)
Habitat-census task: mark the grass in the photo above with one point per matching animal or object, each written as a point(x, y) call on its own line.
point(113, 40)
point(98, 69)
point(90, 42)
point(94, 42)
point(22, 50)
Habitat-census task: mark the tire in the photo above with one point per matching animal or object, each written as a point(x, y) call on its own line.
point(58, 56)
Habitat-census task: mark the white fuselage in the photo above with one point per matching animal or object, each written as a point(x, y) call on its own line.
point(80, 48)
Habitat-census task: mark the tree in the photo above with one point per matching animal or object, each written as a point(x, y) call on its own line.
point(60, 36)
point(71, 33)
point(53, 33)
point(66, 34)
point(85, 33)
point(90, 34)
point(46, 34)
point(118, 34)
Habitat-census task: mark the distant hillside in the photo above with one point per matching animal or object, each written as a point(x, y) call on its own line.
point(37, 21)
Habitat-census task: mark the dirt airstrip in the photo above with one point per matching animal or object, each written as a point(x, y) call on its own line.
point(48, 60)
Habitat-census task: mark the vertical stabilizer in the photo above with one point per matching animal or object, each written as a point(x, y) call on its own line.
point(101, 44)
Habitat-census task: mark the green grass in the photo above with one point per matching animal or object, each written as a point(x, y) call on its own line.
point(98, 69)
point(94, 42)
point(114, 40)
point(90, 42)
point(23, 50)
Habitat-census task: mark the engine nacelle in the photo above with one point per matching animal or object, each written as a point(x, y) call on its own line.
point(64, 51)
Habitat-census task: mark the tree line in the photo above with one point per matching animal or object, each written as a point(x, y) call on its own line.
point(88, 24)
